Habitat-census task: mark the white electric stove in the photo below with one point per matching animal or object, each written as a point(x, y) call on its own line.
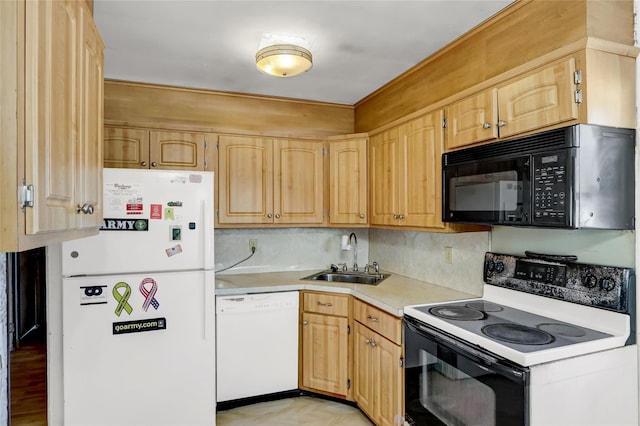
point(547, 340)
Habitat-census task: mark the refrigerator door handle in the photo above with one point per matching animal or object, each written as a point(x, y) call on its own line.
point(209, 305)
point(207, 214)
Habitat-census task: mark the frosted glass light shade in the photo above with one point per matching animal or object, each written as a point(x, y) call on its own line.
point(284, 60)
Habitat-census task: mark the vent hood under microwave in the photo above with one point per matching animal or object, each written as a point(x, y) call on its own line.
point(576, 177)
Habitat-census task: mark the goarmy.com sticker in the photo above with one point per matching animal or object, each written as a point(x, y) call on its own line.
point(139, 326)
point(125, 225)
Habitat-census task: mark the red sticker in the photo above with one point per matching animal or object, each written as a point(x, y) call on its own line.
point(156, 211)
point(138, 207)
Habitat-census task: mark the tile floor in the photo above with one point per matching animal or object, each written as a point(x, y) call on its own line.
point(304, 410)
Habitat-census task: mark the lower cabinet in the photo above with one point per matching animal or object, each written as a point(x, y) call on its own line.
point(378, 372)
point(376, 380)
point(325, 342)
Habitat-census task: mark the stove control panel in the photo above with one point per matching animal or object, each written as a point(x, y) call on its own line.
point(599, 286)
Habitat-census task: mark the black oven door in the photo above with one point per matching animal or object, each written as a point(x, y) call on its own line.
point(491, 191)
point(448, 382)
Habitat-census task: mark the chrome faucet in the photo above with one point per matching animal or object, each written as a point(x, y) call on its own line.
point(375, 265)
point(355, 251)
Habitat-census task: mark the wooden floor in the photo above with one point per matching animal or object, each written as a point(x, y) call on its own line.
point(28, 376)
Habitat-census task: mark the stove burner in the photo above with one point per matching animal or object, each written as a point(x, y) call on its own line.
point(562, 329)
point(461, 313)
point(484, 306)
point(516, 333)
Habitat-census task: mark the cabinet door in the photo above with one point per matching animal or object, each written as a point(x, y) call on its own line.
point(298, 193)
point(245, 179)
point(472, 119)
point(126, 148)
point(539, 99)
point(420, 194)
point(348, 181)
point(51, 137)
point(324, 353)
point(90, 104)
point(388, 383)
point(177, 150)
point(383, 189)
point(363, 369)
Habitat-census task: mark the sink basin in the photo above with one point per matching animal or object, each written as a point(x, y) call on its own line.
point(348, 277)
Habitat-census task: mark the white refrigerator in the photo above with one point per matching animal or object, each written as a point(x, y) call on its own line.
point(138, 305)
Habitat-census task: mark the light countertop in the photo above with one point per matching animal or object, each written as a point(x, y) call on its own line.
point(391, 295)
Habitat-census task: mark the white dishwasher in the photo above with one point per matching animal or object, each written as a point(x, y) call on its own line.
point(256, 344)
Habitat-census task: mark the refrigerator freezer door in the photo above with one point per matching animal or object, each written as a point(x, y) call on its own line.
point(153, 221)
point(139, 349)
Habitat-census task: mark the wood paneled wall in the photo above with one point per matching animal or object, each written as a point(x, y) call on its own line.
point(156, 106)
point(521, 33)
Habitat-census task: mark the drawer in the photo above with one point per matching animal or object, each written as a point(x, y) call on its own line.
point(326, 303)
point(378, 320)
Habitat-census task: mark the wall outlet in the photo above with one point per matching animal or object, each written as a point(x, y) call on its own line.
point(448, 254)
point(253, 245)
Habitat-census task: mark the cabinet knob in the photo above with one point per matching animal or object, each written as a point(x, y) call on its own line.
point(305, 322)
point(502, 123)
point(367, 341)
point(395, 216)
point(373, 344)
point(401, 217)
point(144, 163)
point(486, 125)
point(277, 215)
point(269, 215)
point(85, 208)
point(154, 164)
point(361, 216)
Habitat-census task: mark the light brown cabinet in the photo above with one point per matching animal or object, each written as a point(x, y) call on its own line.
point(378, 370)
point(270, 181)
point(348, 180)
point(325, 340)
point(157, 149)
point(541, 98)
point(405, 174)
point(51, 121)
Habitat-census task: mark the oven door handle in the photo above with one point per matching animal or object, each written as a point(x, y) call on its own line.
point(494, 363)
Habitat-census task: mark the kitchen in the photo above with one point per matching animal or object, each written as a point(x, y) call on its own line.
point(407, 252)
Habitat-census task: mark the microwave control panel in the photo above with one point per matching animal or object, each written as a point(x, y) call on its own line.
point(550, 191)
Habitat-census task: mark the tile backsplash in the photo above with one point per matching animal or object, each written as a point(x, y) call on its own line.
point(421, 255)
point(286, 249)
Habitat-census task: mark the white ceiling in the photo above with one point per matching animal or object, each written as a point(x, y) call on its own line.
point(357, 46)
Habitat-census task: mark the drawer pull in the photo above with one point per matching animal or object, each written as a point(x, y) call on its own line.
point(328, 305)
point(370, 318)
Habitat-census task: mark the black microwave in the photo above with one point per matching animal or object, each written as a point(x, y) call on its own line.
point(581, 176)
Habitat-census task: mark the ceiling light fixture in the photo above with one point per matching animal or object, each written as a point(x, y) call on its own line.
point(284, 60)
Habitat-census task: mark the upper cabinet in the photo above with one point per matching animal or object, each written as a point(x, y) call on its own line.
point(51, 120)
point(405, 174)
point(270, 181)
point(157, 149)
point(348, 180)
point(538, 99)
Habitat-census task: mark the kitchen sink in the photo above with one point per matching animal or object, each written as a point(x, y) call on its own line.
point(348, 277)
